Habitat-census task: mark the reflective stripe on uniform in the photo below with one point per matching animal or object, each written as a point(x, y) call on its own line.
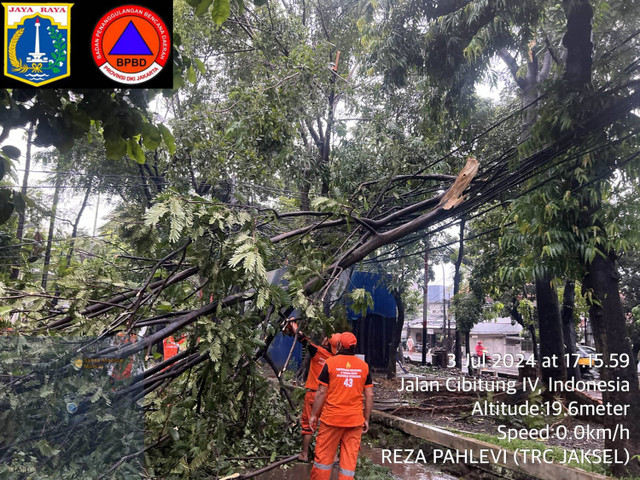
point(322, 466)
point(348, 473)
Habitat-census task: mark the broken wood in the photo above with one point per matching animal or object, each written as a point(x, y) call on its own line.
point(448, 408)
point(453, 197)
point(255, 473)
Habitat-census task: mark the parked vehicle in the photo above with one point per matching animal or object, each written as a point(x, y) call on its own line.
point(585, 362)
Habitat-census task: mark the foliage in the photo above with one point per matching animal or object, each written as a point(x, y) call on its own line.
point(58, 419)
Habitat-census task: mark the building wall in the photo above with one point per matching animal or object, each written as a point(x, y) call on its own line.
point(493, 344)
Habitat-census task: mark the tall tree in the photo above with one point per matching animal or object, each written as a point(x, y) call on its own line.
point(15, 271)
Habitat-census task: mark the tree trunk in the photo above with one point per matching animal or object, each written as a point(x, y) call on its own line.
point(601, 280)
point(397, 334)
point(457, 278)
point(325, 151)
point(74, 232)
point(467, 346)
point(530, 115)
point(52, 224)
point(145, 186)
point(609, 332)
point(577, 41)
point(569, 328)
point(305, 203)
point(15, 271)
point(530, 326)
point(550, 326)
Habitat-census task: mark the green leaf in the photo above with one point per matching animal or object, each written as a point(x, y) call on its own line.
point(221, 11)
point(151, 136)
point(134, 151)
point(178, 81)
point(155, 213)
point(6, 207)
point(200, 65)
point(11, 151)
point(20, 202)
point(46, 391)
point(115, 149)
point(168, 138)
point(46, 449)
point(191, 75)
point(203, 7)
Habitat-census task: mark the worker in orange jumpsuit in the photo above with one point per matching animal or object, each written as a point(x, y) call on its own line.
point(343, 381)
point(319, 354)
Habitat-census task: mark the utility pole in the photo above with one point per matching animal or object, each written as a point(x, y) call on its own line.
point(456, 289)
point(424, 302)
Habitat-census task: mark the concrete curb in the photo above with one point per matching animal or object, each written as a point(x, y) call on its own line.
point(450, 440)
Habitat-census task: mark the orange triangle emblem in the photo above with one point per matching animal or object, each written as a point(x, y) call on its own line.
point(348, 365)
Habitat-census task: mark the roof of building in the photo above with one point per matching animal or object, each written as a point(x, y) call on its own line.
point(499, 326)
point(502, 326)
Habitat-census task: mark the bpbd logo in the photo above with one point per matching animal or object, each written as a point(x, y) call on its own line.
point(37, 42)
point(131, 44)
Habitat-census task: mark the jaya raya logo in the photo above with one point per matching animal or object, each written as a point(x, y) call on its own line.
point(36, 42)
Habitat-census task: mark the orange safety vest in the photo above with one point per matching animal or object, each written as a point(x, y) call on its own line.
point(316, 365)
point(346, 377)
point(122, 370)
point(171, 347)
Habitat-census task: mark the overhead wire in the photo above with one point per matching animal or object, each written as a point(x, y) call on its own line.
point(34, 242)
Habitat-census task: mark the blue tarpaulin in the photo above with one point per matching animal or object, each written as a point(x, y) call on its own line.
point(279, 351)
point(375, 331)
point(383, 302)
point(281, 345)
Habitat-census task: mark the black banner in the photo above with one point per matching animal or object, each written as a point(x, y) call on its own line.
point(113, 44)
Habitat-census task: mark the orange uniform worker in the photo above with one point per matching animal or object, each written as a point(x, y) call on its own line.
point(122, 370)
point(343, 381)
point(319, 355)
